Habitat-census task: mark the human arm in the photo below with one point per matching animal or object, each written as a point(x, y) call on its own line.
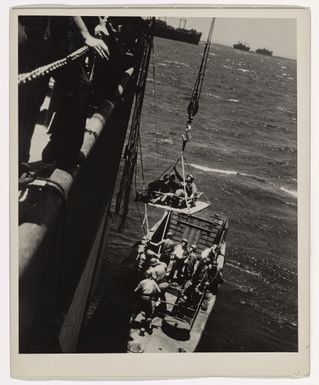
point(97, 44)
point(194, 190)
point(157, 244)
point(177, 252)
point(138, 288)
point(220, 262)
point(206, 252)
point(101, 29)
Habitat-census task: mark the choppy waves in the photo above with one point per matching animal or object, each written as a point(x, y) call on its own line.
point(292, 193)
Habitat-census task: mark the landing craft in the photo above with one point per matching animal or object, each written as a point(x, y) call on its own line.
point(179, 320)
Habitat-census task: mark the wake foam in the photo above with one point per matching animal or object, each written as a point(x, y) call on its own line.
point(292, 193)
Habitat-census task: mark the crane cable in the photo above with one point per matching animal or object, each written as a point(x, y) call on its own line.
point(145, 219)
point(155, 103)
point(193, 105)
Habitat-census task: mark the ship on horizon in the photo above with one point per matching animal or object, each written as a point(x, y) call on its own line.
point(241, 46)
point(166, 31)
point(264, 51)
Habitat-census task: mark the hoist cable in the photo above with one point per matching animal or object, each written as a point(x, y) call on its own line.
point(193, 105)
point(155, 103)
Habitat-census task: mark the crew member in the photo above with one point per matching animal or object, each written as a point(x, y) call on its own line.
point(148, 293)
point(167, 246)
point(179, 256)
point(190, 189)
point(158, 270)
point(192, 262)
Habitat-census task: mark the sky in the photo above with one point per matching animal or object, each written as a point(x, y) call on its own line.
point(279, 35)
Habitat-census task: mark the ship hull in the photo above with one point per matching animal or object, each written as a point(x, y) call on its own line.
point(172, 34)
point(241, 48)
point(264, 51)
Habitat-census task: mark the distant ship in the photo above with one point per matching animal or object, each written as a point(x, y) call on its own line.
point(264, 51)
point(162, 29)
point(241, 46)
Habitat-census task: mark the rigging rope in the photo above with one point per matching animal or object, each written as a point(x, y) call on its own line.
point(123, 195)
point(48, 68)
point(154, 104)
point(184, 183)
point(141, 157)
point(193, 105)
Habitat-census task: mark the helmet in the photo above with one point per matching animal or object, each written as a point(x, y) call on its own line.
point(190, 177)
point(153, 261)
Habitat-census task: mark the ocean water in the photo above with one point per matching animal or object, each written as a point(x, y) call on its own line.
point(243, 154)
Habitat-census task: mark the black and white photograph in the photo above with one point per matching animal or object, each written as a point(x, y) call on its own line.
point(157, 184)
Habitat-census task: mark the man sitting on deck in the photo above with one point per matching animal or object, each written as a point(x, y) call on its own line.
point(188, 193)
point(165, 192)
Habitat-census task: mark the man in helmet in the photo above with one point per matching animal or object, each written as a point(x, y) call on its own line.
point(190, 189)
point(167, 247)
point(192, 262)
point(179, 256)
point(147, 293)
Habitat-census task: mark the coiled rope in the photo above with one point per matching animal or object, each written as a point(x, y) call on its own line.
point(48, 68)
